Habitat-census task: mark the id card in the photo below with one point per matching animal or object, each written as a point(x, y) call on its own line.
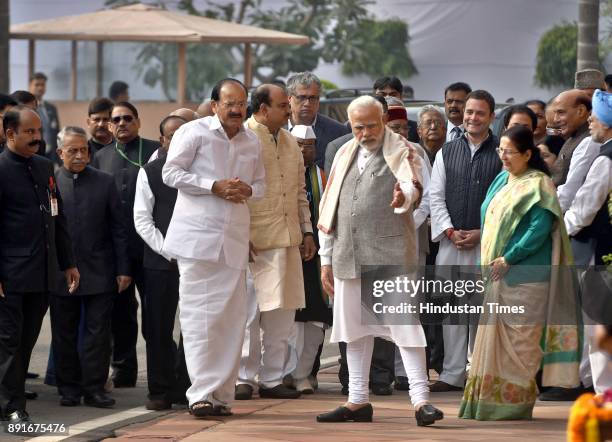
point(54, 207)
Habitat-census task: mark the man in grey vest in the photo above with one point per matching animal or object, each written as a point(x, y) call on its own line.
point(462, 172)
point(358, 226)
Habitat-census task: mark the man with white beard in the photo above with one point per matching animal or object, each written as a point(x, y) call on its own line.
point(359, 227)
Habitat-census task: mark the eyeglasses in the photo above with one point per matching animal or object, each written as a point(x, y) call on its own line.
point(434, 123)
point(126, 118)
point(310, 98)
point(506, 152)
point(232, 104)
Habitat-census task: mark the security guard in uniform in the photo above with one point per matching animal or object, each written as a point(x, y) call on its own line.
point(34, 246)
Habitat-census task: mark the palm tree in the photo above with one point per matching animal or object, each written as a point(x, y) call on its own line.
point(4, 46)
point(588, 34)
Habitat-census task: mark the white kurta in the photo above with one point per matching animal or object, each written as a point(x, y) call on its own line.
point(448, 254)
point(348, 325)
point(204, 225)
point(581, 161)
point(590, 197)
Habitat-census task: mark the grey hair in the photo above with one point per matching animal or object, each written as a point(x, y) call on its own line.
point(393, 101)
point(305, 79)
point(69, 130)
point(429, 108)
point(364, 101)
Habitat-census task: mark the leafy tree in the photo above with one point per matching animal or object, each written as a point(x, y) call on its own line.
point(340, 31)
point(556, 58)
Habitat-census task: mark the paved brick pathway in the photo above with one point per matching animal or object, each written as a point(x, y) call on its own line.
point(294, 420)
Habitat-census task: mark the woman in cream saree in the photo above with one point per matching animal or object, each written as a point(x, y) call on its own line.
point(525, 253)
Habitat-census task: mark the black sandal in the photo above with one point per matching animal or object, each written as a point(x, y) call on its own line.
point(201, 409)
point(221, 410)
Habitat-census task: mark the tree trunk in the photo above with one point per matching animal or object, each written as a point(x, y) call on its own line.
point(588, 34)
point(4, 46)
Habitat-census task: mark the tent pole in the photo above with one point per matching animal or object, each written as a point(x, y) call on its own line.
point(181, 85)
point(248, 66)
point(73, 71)
point(99, 67)
point(31, 57)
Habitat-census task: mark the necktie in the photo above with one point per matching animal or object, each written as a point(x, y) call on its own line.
point(456, 132)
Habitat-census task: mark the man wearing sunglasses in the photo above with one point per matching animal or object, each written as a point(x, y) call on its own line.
point(123, 159)
point(304, 91)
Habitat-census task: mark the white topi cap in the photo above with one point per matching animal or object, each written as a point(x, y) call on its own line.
point(303, 132)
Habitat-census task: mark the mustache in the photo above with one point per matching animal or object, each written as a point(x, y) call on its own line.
point(235, 115)
point(35, 143)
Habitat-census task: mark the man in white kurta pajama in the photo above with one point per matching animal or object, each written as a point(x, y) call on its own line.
point(359, 227)
point(462, 172)
point(216, 165)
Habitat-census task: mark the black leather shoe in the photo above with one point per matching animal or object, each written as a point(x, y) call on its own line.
point(343, 414)
point(427, 415)
point(382, 390)
point(70, 401)
point(158, 404)
point(440, 387)
point(17, 417)
point(562, 394)
point(401, 383)
point(99, 400)
point(30, 395)
point(243, 392)
point(30, 375)
point(121, 382)
point(278, 392)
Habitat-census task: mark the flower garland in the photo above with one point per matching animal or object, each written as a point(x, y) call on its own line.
point(586, 416)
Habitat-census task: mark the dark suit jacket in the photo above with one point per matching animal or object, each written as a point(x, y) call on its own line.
point(332, 149)
point(125, 173)
point(97, 228)
point(326, 130)
point(51, 125)
point(34, 246)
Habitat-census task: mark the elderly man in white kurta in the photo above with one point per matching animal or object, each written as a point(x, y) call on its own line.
point(216, 165)
point(280, 223)
point(359, 227)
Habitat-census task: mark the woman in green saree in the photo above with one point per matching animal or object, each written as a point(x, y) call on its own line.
point(524, 247)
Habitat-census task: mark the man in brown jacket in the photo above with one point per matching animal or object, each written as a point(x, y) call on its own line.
point(280, 224)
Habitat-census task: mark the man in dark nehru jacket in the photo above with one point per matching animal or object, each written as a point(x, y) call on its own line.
point(97, 227)
point(167, 376)
point(34, 247)
point(123, 158)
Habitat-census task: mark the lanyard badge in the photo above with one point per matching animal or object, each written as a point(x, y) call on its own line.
point(53, 198)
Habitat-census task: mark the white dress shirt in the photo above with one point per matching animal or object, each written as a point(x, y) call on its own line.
point(143, 215)
point(590, 197)
point(449, 130)
point(582, 158)
point(204, 226)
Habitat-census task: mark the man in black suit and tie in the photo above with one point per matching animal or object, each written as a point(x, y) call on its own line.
point(97, 226)
point(34, 247)
point(304, 91)
point(47, 112)
point(123, 158)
